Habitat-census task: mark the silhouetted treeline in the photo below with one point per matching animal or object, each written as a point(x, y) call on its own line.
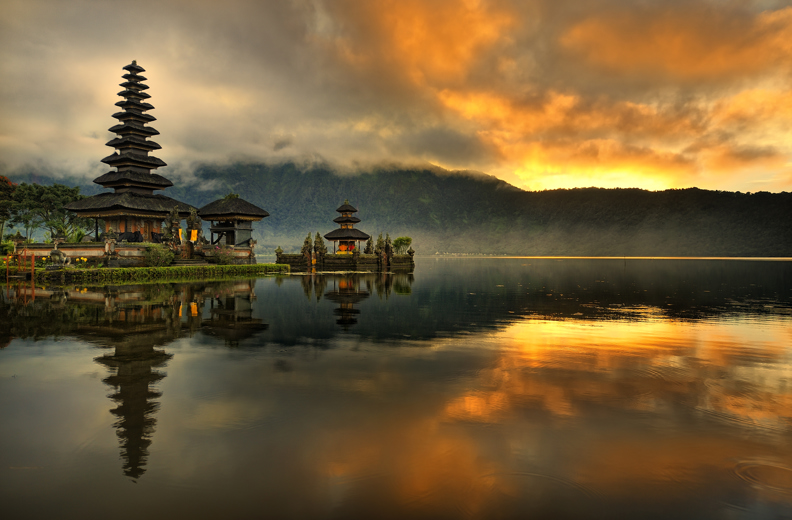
point(468, 213)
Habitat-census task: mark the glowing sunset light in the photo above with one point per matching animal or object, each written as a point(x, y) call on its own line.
point(652, 95)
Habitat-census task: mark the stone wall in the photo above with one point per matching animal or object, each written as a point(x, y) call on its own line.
point(402, 263)
point(127, 254)
point(347, 262)
point(295, 262)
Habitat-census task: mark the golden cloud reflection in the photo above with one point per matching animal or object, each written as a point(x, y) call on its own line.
point(562, 367)
point(601, 412)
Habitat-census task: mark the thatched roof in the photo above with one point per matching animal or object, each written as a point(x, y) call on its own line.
point(229, 208)
point(134, 67)
point(146, 161)
point(346, 234)
point(346, 207)
point(129, 201)
point(130, 127)
point(131, 140)
point(133, 84)
point(131, 103)
point(134, 93)
point(137, 178)
point(134, 77)
point(134, 116)
point(346, 220)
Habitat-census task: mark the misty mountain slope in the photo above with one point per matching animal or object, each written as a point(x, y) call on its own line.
point(454, 212)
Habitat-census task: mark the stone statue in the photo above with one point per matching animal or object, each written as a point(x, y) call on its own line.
point(57, 257)
point(110, 239)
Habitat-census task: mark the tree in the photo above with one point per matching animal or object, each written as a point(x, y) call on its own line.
point(401, 244)
point(7, 189)
point(307, 246)
point(35, 205)
point(23, 209)
point(380, 247)
point(369, 250)
point(56, 218)
point(319, 245)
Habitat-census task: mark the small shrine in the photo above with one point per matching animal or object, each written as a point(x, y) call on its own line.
point(232, 220)
point(132, 207)
point(346, 239)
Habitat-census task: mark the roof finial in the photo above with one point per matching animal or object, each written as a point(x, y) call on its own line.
point(134, 62)
point(346, 201)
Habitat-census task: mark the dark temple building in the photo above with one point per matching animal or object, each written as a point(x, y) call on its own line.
point(232, 220)
point(132, 206)
point(345, 237)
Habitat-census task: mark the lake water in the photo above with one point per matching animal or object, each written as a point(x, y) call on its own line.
point(474, 388)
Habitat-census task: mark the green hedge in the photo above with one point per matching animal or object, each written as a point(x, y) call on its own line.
point(144, 274)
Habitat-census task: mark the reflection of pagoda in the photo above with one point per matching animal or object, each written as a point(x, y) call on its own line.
point(134, 372)
point(133, 320)
point(346, 293)
point(231, 314)
point(346, 235)
point(132, 206)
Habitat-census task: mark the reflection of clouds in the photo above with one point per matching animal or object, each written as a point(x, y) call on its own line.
point(564, 368)
point(414, 462)
point(224, 414)
point(556, 411)
point(567, 378)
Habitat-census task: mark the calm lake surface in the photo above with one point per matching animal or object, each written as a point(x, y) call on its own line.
point(474, 388)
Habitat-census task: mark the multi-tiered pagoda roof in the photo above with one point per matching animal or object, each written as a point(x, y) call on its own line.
point(132, 181)
point(346, 235)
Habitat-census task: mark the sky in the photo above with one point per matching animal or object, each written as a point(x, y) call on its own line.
point(544, 94)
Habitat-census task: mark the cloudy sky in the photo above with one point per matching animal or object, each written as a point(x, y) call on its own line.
point(544, 94)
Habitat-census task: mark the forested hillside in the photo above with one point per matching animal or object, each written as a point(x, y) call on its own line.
point(467, 213)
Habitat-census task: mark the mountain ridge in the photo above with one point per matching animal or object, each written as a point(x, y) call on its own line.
point(467, 212)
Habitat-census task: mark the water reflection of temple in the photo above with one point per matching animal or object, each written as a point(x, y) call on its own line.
point(231, 314)
point(350, 289)
point(134, 372)
point(133, 322)
point(347, 292)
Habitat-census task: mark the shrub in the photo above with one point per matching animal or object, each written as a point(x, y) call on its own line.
point(224, 256)
point(401, 244)
point(76, 237)
point(157, 256)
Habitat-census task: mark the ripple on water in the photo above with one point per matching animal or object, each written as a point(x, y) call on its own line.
point(765, 474)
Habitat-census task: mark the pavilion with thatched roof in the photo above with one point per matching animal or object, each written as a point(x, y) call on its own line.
point(232, 220)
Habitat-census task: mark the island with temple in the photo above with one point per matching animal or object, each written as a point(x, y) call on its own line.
point(135, 226)
point(132, 220)
point(347, 253)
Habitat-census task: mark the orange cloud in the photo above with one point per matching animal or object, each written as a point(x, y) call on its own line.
point(430, 43)
point(755, 106)
point(689, 44)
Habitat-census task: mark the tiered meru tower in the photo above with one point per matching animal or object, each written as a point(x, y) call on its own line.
point(132, 206)
point(345, 237)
